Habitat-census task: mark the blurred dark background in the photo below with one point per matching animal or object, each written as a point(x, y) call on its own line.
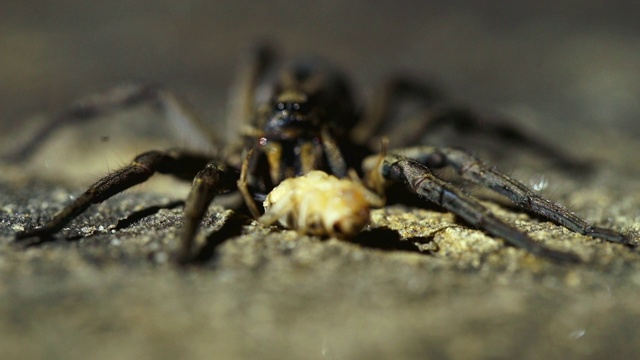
point(570, 68)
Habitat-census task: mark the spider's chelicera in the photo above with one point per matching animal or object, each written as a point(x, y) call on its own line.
point(304, 119)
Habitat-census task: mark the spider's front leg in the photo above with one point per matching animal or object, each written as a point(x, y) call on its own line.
point(181, 164)
point(212, 180)
point(420, 180)
point(477, 172)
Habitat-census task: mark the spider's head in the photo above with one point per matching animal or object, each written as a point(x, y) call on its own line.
point(292, 115)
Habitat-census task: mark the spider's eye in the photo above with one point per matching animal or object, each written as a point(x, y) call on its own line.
point(302, 108)
point(299, 107)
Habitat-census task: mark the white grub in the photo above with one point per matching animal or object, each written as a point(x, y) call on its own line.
point(320, 204)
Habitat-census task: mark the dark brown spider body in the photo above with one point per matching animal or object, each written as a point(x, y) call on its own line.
point(305, 119)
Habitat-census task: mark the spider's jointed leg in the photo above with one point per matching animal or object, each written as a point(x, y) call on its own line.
point(475, 171)
point(183, 165)
point(212, 180)
point(384, 106)
point(420, 180)
point(468, 121)
point(436, 113)
point(119, 98)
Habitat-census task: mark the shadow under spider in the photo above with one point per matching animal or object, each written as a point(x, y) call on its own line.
point(141, 214)
point(231, 227)
point(121, 224)
point(383, 238)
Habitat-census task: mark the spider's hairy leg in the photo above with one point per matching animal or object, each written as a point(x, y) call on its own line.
point(210, 181)
point(436, 113)
point(464, 120)
point(476, 171)
point(385, 103)
point(181, 164)
point(179, 115)
point(419, 179)
point(242, 98)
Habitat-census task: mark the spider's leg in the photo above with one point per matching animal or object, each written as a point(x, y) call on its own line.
point(435, 113)
point(181, 118)
point(474, 170)
point(385, 103)
point(465, 120)
point(420, 180)
point(242, 97)
point(335, 158)
point(210, 181)
point(180, 164)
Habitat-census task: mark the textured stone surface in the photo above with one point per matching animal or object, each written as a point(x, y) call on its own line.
point(107, 287)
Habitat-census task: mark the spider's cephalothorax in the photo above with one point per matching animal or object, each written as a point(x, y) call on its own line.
point(303, 121)
point(310, 111)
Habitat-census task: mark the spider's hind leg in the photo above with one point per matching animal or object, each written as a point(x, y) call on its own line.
point(435, 112)
point(178, 114)
point(468, 121)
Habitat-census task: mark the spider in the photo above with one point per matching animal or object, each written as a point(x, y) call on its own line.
point(302, 117)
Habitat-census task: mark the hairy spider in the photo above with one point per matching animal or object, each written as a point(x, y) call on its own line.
point(304, 118)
